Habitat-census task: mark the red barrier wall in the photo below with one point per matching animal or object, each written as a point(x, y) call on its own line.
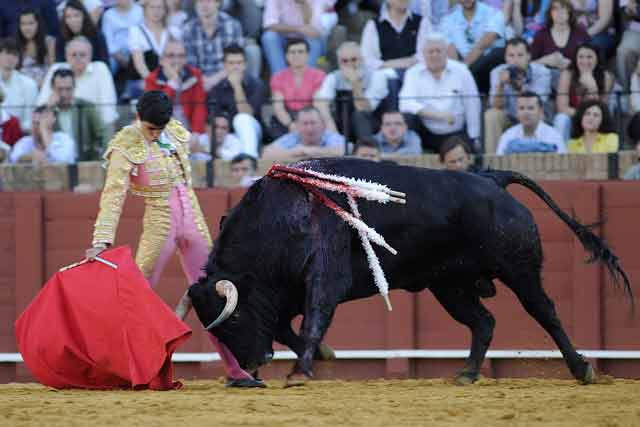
point(40, 232)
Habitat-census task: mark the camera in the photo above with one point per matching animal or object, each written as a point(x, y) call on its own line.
point(516, 76)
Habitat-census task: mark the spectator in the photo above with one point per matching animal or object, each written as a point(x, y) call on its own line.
point(36, 49)
point(633, 130)
point(240, 97)
point(44, 145)
point(593, 130)
point(628, 52)
point(292, 89)
point(508, 80)
point(597, 17)
point(285, 19)
point(311, 139)
point(395, 137)
point(116, 22)
point(476, 37)
point(183, 85)
point(357, 93)
point(20, 91)
point(208, 34)
point(248, 12)
point(634, 99)
point(93, 81)
point(455, 155)
point(556, 44)
point(176, 17)
point(433, 10)
point(146, 43)
point(368, 149)
point(527, 17)
point(243, 170)
point(393, 40)
point(531, 134)
point(93, 7)
point(585, 78)
point(227, 145)
point(10, 130)
point(443, 96)
point(76, 117)
point(77, 22)
point(10, 11)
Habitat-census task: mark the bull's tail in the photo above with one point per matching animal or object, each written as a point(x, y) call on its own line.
point(598, 249)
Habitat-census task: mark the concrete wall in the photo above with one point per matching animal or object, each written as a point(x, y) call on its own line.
point(42, 231)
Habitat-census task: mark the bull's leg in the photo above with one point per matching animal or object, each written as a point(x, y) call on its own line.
point(466, 308)
point(536, 302)
point(288, 337)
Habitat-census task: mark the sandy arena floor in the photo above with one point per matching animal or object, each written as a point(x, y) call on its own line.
point(364, 403)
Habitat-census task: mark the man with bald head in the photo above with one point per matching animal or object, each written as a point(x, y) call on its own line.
point(441, 97)
point(93, 80)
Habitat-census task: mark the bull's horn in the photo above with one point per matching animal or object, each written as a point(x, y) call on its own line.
point(231, 293)
point(184, 306)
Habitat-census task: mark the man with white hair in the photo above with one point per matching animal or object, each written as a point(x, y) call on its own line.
point(357, 92)
point(93, 80)
point(442, 95)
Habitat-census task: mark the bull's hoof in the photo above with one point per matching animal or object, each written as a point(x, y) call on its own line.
point(325, 352)
point(296, 380)
point(589, 375)
point(465, 378)
point(244, 383)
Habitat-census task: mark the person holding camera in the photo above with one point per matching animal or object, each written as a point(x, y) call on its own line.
point(508, 81)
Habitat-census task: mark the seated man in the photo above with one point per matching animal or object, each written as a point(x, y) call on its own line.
point(77, 118)
point(284, 19)
point(240, 97)
point(311, 139)
point(476, 35)
point(395, 137)
point(227, 145)
point(243, 170)
point(44, 145)
point(455, 155)
point(532, 134)
point(20, 90)
point(93, 80)
point(368, 149)
point(351, 92)
point(393, 40)
point(508, 80)
point(441, 96)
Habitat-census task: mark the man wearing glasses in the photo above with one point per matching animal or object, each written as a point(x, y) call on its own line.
point(151, 159)
point(475, 32)
point(349, 97)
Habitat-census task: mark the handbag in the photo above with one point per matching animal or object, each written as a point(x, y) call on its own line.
point(151, 59)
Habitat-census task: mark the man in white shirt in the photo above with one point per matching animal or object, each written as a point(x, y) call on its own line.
point(44, 145)
point(116, 22)
point(93, 80)
point(357, 93)
point(20, 91)
point(443, 95)
point(532, 134)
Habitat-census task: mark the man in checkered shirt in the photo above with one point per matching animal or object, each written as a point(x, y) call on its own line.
point(206, 36)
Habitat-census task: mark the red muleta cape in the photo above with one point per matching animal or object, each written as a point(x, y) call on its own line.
point(93, 326)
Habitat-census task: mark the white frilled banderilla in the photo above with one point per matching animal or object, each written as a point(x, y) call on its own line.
point(313, 182)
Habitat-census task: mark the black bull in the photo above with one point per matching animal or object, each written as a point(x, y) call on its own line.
point(287, 254)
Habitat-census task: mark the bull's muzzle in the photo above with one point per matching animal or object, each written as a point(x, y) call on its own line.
point(228, 290)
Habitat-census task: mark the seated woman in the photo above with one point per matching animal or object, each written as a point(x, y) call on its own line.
point(36, 49)
point(593, 129)
point(526, 17)
point(597, 17)
point(585, 78)
point(292, 89)
point(557, 42)
point(76, 21)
